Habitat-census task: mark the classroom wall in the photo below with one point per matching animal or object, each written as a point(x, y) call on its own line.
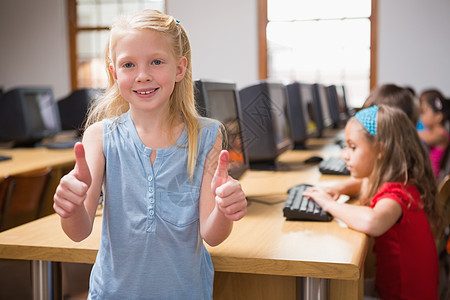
point(414, 43)
point(34, 44)
point(223, 36)
point(412, 50)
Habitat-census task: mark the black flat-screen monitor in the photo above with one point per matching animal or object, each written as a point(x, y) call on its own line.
point(265, 119)
point(322, 108)
point(302, 115)
point(28, 115)
point(220, 100)
point(344, 108)
point(337, 109)
point(73, 108)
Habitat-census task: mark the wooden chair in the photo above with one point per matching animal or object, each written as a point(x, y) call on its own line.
point(21, 197)
point(443, 244)
point(445, 165)
point(444, 195)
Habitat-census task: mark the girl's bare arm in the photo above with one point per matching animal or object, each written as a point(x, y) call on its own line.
point(77, 196)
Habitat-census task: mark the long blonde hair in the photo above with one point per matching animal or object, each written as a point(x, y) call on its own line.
point(111, 104)
point(404, 159)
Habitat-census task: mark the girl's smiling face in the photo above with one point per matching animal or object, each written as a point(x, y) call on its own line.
point(360, 153)
point(146, 69)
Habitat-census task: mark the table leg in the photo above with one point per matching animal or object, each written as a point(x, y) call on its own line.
point(314, 288)
point(40, 279)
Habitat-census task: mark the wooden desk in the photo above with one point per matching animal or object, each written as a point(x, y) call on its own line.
point(30, 159)
point(270, 254)
point(265, 257)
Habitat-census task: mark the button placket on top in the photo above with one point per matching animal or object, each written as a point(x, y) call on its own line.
point(150, 194)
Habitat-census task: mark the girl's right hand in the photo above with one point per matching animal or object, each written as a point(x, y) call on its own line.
point(333, 192)
point(319, 195)
point(229, 196)
point(72, 189)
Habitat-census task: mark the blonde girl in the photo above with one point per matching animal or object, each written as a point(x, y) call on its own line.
point(155, 161)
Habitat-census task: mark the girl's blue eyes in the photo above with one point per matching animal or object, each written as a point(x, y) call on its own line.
point(156, 62)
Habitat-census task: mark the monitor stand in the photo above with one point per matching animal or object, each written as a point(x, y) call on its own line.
point(269, 165)
point(26, 144)
point(266, 165)
point(300, 146)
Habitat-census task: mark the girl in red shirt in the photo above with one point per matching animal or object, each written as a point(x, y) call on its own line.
point(400, 208)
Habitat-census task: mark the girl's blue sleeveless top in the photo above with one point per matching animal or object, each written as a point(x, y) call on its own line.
point(151, 246)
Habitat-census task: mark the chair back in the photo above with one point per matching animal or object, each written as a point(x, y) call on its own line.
point(22, 197)
point(445, 164)
point(444, 195)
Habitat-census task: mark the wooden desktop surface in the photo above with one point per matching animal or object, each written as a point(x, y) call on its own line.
point(265, 243)
point(262, 244)
point(29, 159)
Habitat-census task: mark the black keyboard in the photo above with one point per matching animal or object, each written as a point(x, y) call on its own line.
point(299, 207)
point(5, 157)
point(333, 166)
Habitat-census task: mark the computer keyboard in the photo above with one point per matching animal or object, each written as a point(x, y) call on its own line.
point(299, 207)
point(333, 166)
point(5, 157)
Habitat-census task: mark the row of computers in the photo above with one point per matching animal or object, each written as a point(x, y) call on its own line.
point(30, 115)
point(273, 117)
point(262, 120)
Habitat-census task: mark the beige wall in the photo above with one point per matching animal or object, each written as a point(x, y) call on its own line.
point(413, 42)
point(33, 44)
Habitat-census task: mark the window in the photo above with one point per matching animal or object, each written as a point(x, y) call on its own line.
point(324, 41)
point(89, 22)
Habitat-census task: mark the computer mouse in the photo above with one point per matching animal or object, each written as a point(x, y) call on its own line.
point(313, 160)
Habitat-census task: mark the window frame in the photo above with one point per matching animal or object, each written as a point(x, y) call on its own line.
point(262, 41)
point(73, 30)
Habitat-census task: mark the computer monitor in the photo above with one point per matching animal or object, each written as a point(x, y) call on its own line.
point(220, 100)
point(344, 107)
point(73, 108)
point(337, 108)
point(28, 115)
point(265, 119)
point(302, 116)
point(322, 108)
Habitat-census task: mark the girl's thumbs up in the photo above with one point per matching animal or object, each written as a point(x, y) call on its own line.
point(82, 172)
point(221, 174)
